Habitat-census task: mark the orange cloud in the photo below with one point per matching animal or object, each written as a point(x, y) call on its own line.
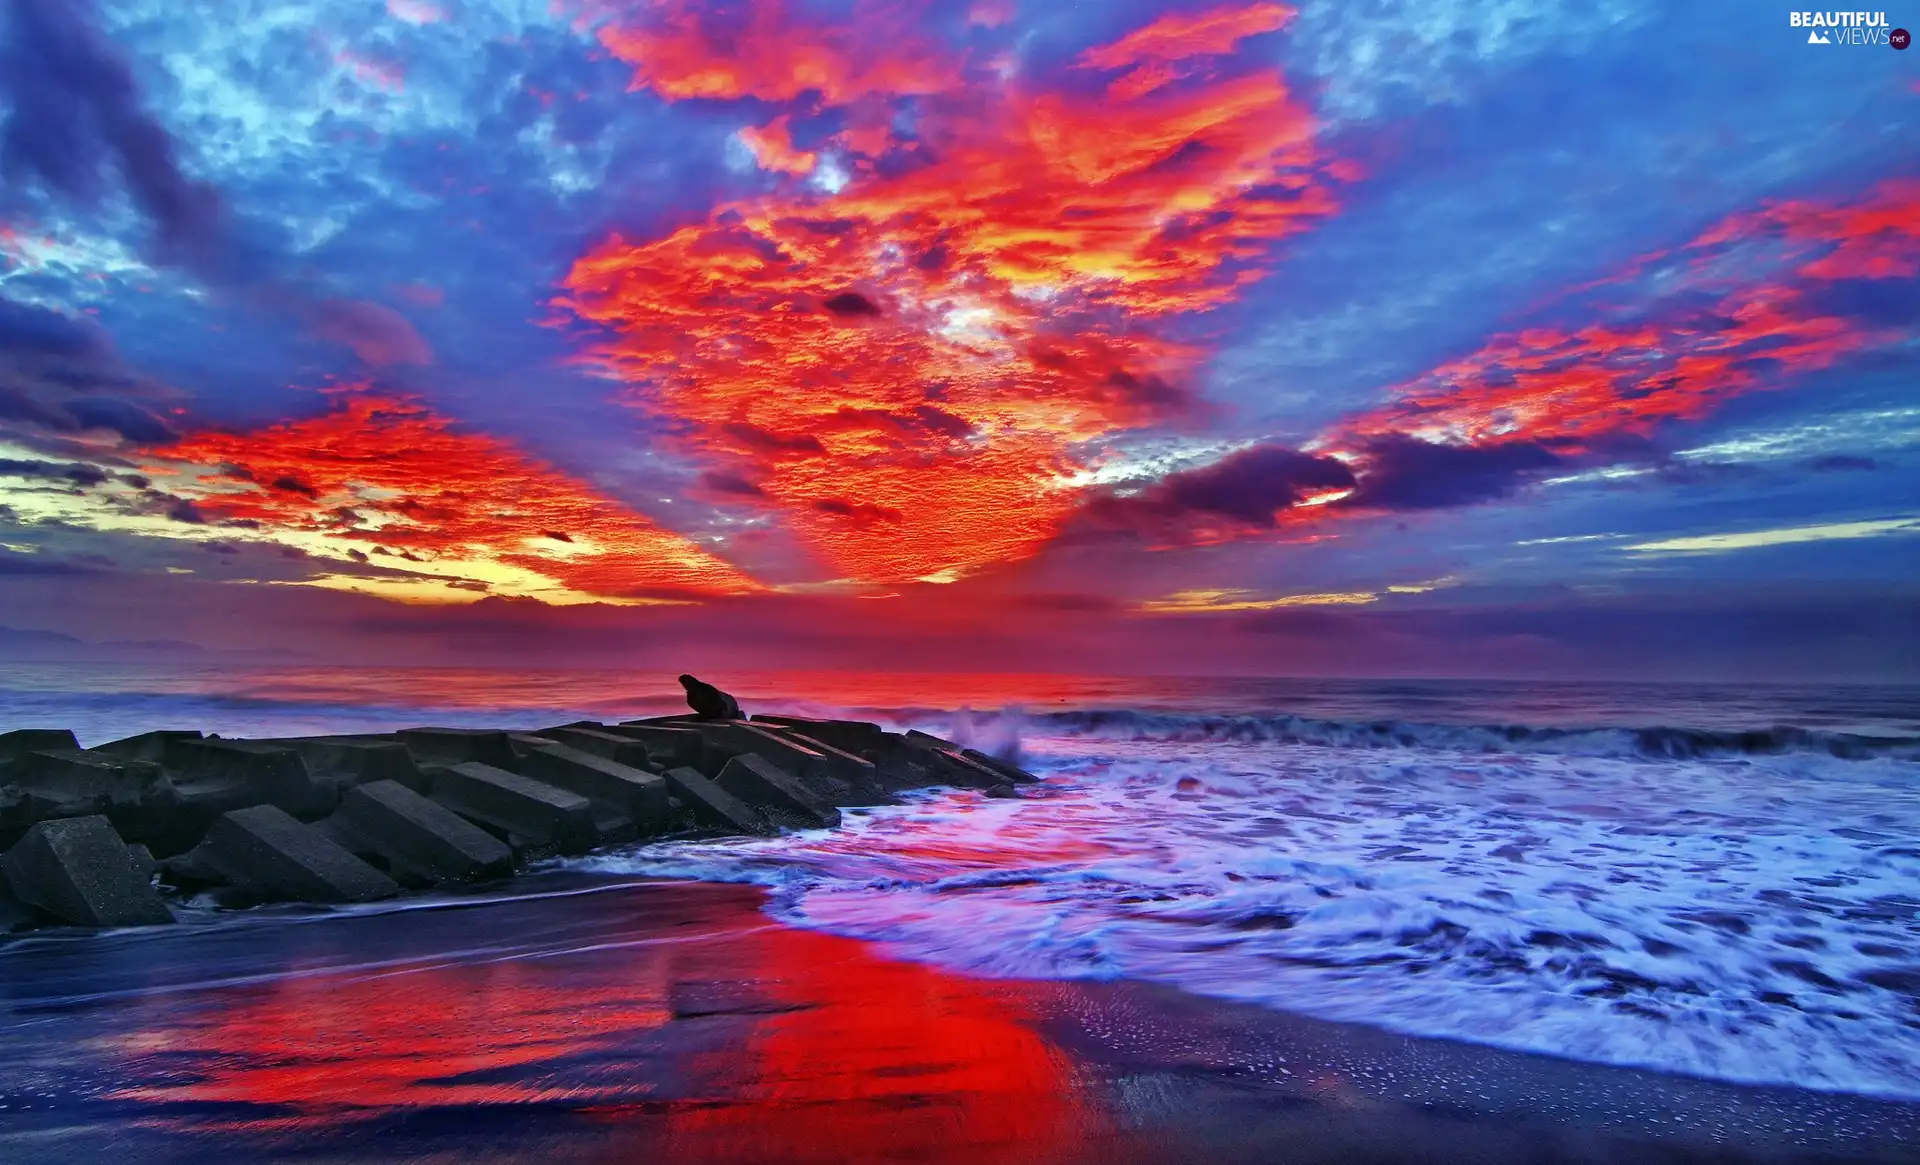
point(384, 472)
point(905, 366)
point(773, 149)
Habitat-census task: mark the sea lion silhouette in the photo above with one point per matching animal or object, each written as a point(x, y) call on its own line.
point(709, 702)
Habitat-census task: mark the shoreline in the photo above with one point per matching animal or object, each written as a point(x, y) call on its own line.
point(592, 1017)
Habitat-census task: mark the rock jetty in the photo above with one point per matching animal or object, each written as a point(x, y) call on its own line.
point(108, 836)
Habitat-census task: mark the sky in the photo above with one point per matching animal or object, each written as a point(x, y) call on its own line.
point(1346, 337)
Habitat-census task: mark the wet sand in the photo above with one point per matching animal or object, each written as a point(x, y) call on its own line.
point(600, 1020)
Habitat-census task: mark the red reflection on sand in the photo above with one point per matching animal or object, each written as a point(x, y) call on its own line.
point(880, 1061)
point(328, 1043)
point(676, 1014)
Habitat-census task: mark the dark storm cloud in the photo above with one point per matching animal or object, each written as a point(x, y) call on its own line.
point(730, 485)
point(912, 425)
point(77, 112)
point(863, 512)
point(1148, 391)
point(14, 565)
point(182, 510)
point(61, 375)
point(122, 416)
point(1248, 487)
point(767, 441)
point(1252, 484)
point(29, 330)
point(851, 303)
point(1406, 473)
point(52, 471)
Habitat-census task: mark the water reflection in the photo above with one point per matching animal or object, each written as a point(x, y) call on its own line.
point(673, 1020)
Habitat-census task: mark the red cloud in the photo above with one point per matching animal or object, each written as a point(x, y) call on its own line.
point(772, 147)
point(685, 52)
point(1011, 267)
point(1762, 327)
point(386, 472)
point(1165, 50)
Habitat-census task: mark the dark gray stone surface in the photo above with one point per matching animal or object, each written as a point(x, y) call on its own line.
point(709, 804)
point(776, 792)
point(850, 779)
point(516, 805)
point(80, 871)
point(452, 746)
point(849, 735)
point(266, 853)
point(639, 794)
point(668, 744)
point(56, 783)
point(25, 740)
point(1013, 773)
point(425, 838)
point(620, 749)
point(150, 746)
point(346, 761)
point(272, 773)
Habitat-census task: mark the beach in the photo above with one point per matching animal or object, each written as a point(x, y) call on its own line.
point(596, 1019)
point(1234, 921)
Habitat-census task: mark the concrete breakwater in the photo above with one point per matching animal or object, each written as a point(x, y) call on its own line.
point(107, 836)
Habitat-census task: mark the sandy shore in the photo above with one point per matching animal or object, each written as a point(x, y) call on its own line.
point(597, 1020)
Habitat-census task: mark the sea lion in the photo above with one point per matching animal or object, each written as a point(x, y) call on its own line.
point(709, 702)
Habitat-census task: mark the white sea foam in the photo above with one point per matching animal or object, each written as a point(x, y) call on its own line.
point(1743, 917)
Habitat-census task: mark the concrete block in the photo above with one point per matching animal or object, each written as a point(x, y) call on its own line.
point(72, 782)
point(776, 792)
point(268, 855)
point(272, 773)
point(612, 827)
point(853, 780)
point(725, 739)
point(346, 761)
point(420, 836)
point(24, 740)
point(516, 805)
point(667, 745)
point(452, 746)
point(1013, 773)
point(709, 804)
point(150, 746)
point(79, 871)
point(639, 794)
point(954, 769)
point(853, 736)
point(619, 749)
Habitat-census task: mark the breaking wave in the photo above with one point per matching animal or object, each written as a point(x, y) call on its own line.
point(1729, 905)
point(1667, 743)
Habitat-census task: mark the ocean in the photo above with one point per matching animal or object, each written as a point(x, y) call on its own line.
point(1717, 881)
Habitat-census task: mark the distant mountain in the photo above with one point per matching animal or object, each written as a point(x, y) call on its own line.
point(21, 645)
point(13, 639)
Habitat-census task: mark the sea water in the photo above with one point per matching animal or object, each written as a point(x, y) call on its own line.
point(1722, 880)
